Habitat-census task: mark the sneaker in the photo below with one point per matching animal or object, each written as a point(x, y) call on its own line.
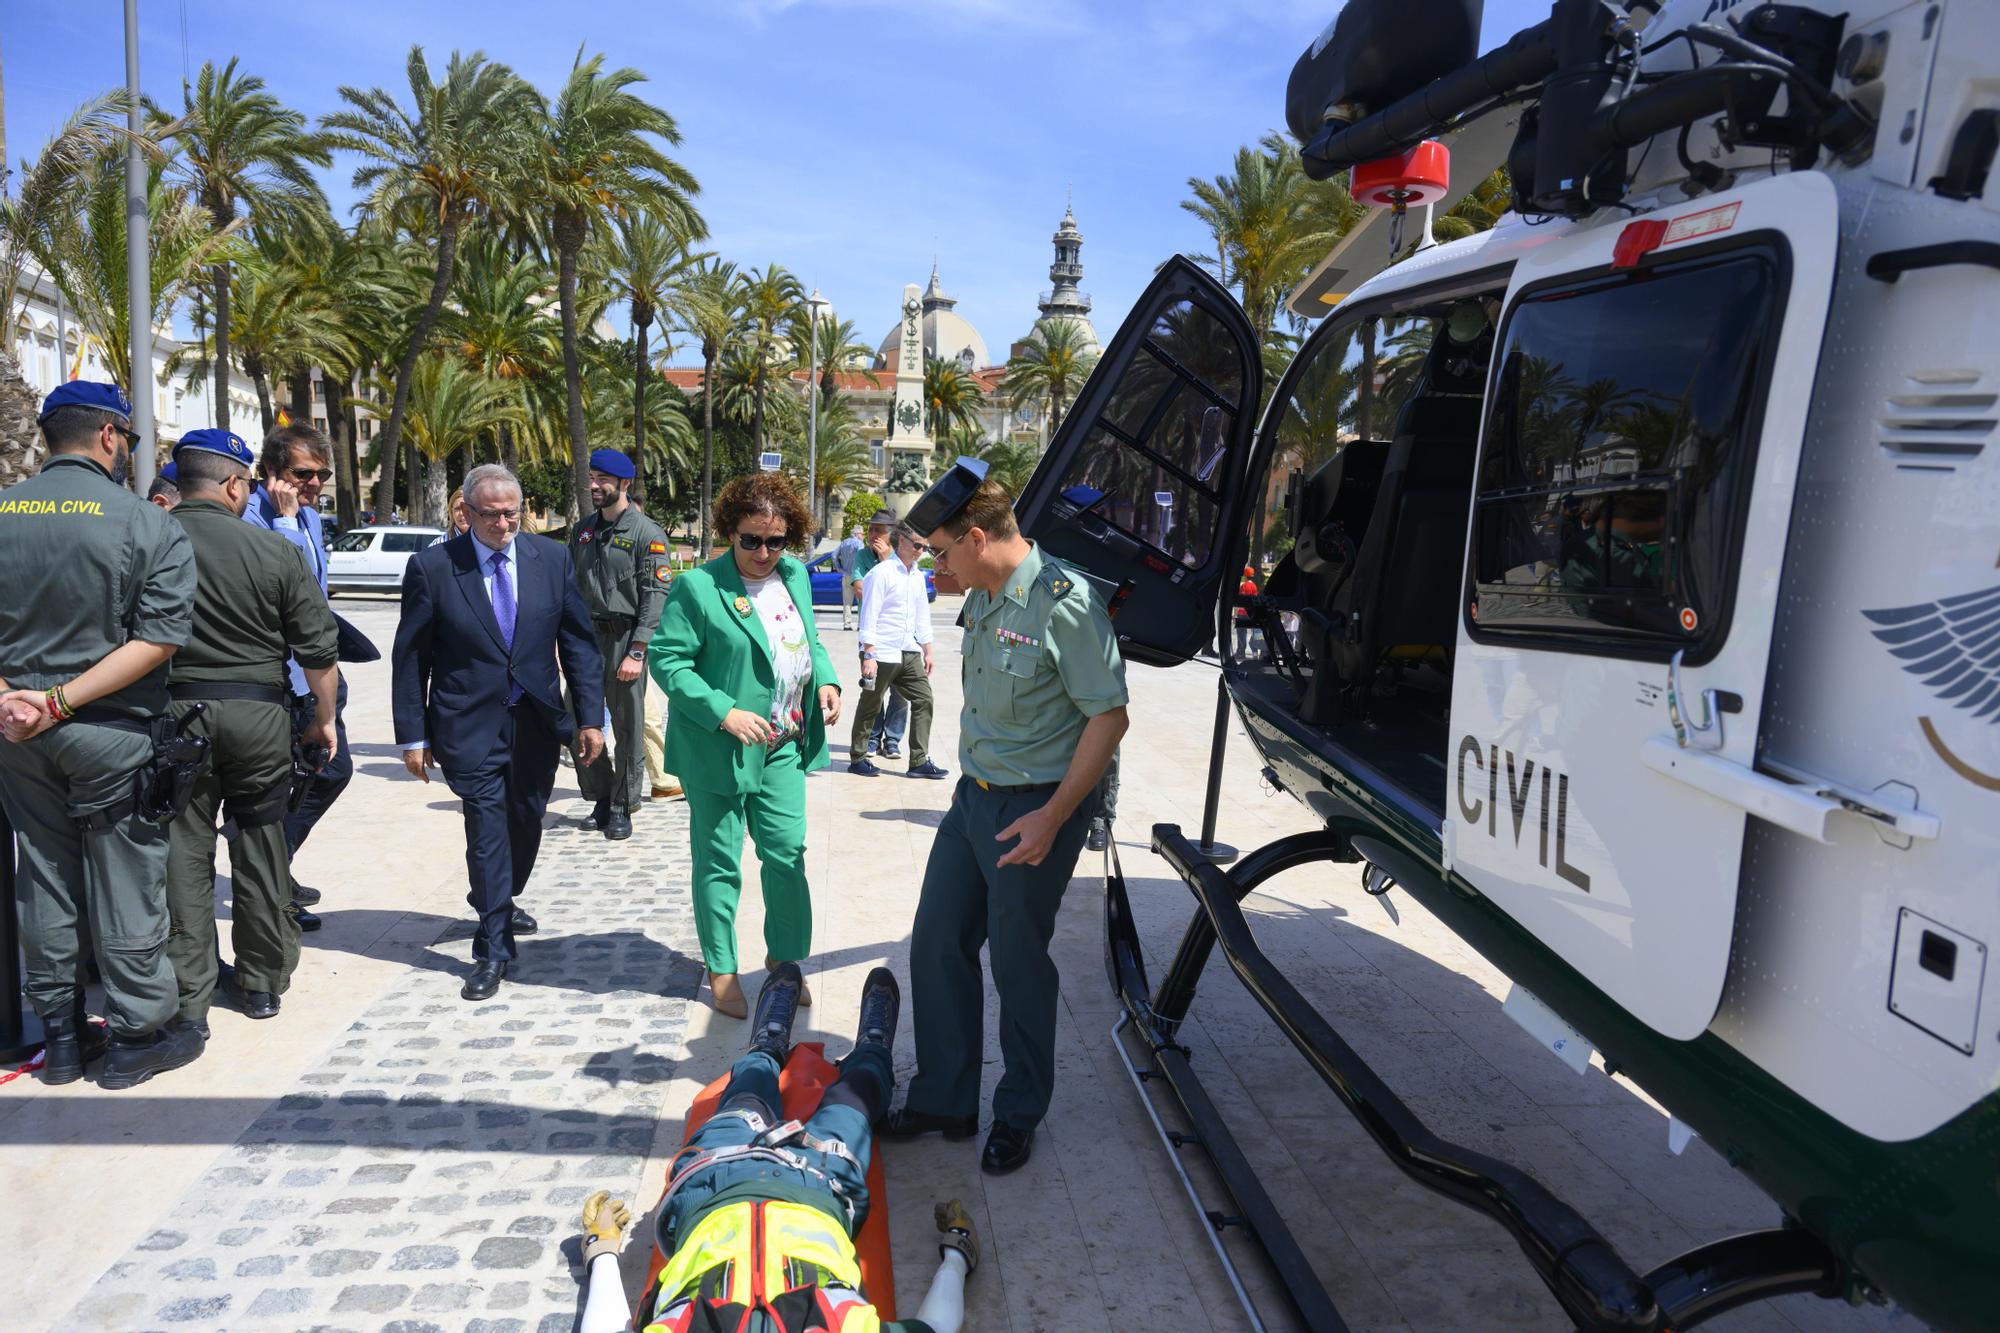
point(891, 750)
point(1099, 836)
point(777, 1006)
point(881, 1003)
point(862, 768)
point(927, 769)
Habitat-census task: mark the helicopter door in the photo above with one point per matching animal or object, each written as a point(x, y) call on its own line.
point(1142, 483)
point(1629, 519)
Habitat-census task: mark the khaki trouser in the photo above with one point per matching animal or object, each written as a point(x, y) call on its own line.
point(250, 759)
point(909, 679)
point(656, 737)
point(101, 893)
point(620, 771)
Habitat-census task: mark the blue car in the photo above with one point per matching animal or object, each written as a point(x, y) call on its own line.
point(826, 582)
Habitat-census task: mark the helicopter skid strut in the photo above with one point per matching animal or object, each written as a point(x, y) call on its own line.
point(1597, 1289)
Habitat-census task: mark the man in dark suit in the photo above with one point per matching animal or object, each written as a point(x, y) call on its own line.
point(489, 620)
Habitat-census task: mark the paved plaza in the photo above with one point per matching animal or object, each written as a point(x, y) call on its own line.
point(384, 1155)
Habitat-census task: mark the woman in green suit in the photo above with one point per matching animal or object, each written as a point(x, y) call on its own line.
point(750, 695)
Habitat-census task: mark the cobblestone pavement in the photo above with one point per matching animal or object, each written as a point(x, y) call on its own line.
point(427, 1173)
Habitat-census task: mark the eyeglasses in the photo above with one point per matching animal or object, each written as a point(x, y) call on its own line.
point(752, 543)
point(132, 437)
point(310, 474)
point(938, 553)
point(497, 515)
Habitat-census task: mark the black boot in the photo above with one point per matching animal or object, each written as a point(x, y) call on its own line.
point(881, 1004)
point(130, 1061)
point(777, 1006)
point(70, 1042)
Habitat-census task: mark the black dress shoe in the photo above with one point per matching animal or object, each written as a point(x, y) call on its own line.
point(619, 826)
point(600, 814)
point(307, 920)
point(862, 768)
point(903, 1123)
point(1007, 1149)
point(130, 1061)
point(260, 1004)
point(927, 769)
point(523, 924)
point(304, 896)
point(485, 980)
point(225, 976)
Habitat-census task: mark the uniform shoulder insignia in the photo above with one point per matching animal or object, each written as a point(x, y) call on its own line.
point(1060, 585)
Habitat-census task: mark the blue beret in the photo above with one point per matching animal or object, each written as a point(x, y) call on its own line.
point(86, 393)
point(613, 463)
point(226, 443)
point(168, 473)
point(948, 496)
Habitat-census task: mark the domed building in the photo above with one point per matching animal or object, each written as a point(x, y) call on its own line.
point(948, 335)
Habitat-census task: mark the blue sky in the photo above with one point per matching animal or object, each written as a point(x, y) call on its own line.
point(850, 140)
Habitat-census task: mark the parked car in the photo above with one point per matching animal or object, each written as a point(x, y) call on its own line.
point(826, 581)
point(372, 559)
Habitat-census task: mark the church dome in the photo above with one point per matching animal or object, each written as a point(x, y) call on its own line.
point(948, 335)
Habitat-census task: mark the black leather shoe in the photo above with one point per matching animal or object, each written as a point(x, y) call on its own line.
point(485, 980)
point(130, 1061)
point(1098, 837)
point(903, 1123)
point(225, 976)
point(777, 1006)
point(260, 1004)
point(600, 814)
point(304, 896)
point(1007, 1149)
point(619, 826)
point(862, 768)
point(199, 1028)
point(881, 1003)
point(69, 1042)
point(523, 924)
point(308, 921)
point(927, 769)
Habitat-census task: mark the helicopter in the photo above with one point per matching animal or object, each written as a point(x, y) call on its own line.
point(1634, 609)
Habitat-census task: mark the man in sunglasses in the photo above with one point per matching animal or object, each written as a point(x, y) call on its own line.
point(293, 467)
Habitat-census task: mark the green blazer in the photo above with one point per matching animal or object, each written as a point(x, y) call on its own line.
point(710, 654)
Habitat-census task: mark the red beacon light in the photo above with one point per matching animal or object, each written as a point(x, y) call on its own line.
point(1420, 176)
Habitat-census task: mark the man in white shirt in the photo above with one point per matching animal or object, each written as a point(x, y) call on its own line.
point(895, 654)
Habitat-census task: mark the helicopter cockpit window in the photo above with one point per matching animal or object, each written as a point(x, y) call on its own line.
point(1619, 446)
point(1154, 461)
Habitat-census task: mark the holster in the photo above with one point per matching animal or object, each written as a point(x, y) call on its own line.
point(268, 806)
point(163, 787)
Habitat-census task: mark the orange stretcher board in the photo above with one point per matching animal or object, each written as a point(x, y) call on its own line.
point(801, 1083)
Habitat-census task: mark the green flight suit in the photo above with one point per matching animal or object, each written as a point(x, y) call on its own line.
point(711, 654)
point(623, 572)
point(256, 604)
point(86, 566)
point(1040, 661)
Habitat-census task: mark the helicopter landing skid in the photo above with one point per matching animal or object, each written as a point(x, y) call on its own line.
point(1595, 1286)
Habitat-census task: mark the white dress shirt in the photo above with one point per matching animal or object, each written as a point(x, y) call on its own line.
point(895, 611)
point(485, 554)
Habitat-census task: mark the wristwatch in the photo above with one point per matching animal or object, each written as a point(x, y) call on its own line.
point(636, 654)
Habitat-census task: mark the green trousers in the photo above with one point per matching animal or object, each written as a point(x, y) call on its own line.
point(906, 676)
point(619, 774)
point(249, 771)
point(775, 817)
point(99, 893)
point(968, 901)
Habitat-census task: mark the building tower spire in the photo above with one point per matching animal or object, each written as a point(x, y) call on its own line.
point(1063, 301)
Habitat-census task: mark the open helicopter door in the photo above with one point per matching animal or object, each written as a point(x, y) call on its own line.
point(1643, 426)
point(1142, 484)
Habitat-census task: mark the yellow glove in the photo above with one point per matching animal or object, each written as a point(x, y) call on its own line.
point(605, 1221)
point(957, 1233)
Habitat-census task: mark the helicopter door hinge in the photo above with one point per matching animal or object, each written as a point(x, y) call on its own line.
point(1793, 799)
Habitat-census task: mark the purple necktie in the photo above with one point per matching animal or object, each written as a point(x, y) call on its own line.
point(503, 612)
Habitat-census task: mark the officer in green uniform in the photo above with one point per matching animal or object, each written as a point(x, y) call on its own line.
point(255, 605)
point(1044, 710)
point(96, 594)
point(623, 571)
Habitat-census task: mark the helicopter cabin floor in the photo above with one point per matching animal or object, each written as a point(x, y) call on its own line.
point(1405, 747)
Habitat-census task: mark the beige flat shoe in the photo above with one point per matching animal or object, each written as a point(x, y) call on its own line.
point(727, 992)
point(805, 991)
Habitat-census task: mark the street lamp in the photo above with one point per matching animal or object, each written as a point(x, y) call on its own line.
point(813, 303)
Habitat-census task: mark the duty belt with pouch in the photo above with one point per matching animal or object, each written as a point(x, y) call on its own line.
point(164, 786)
point(270, 805)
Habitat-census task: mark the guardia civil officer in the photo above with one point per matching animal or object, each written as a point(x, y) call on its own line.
point(623, 571)
point(1044, 710)
point(98, 594)
point(256, 605)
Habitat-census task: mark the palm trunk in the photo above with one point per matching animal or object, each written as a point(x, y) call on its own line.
point(707, 449)
point(300, 383)
point(757, 415)
point(436, 474)
point(642, 326)
point(447, 253)
point(220, 406)
point(413, 485)
point(509, 455)
point(569, 233)
point(346, 479)
point(255, 365)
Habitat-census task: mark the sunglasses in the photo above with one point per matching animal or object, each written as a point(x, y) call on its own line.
point(132, 437)
point(753, 543)
point(308, 474)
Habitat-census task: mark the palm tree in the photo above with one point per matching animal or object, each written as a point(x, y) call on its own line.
point(428, 168)
point(240, 145)
point(708, 304)
point(51, 186)
point(773, 300)
point(498, 321)
point(1268, 224)
point(648, 260)
point(952, 398)
point(596, 161)
point(840, 348)
point(449, 406)
point(842, 461)
point(281, 324)
point(1477, 211)
point(1048, 368)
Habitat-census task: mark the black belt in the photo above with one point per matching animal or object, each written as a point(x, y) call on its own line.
point(615, 620)
point(102, 715)
point(189, 691)
point(984, 785)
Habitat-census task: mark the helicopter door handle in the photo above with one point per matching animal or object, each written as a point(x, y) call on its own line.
point(1797, 801)
point(1707, 733)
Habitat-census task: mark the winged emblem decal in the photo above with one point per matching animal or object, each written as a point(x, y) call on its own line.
point(1953, 645)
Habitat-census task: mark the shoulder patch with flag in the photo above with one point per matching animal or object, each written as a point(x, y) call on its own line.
point(656, 548)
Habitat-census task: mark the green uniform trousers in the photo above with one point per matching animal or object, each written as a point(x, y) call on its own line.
point(100, 892)
point(1107, 789)
point(775, 815)
point(906, 677)
point(249, 769)
point(968, 901)
point(619, 774)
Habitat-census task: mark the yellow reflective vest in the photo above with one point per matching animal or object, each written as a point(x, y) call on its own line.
point(761, 1250)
